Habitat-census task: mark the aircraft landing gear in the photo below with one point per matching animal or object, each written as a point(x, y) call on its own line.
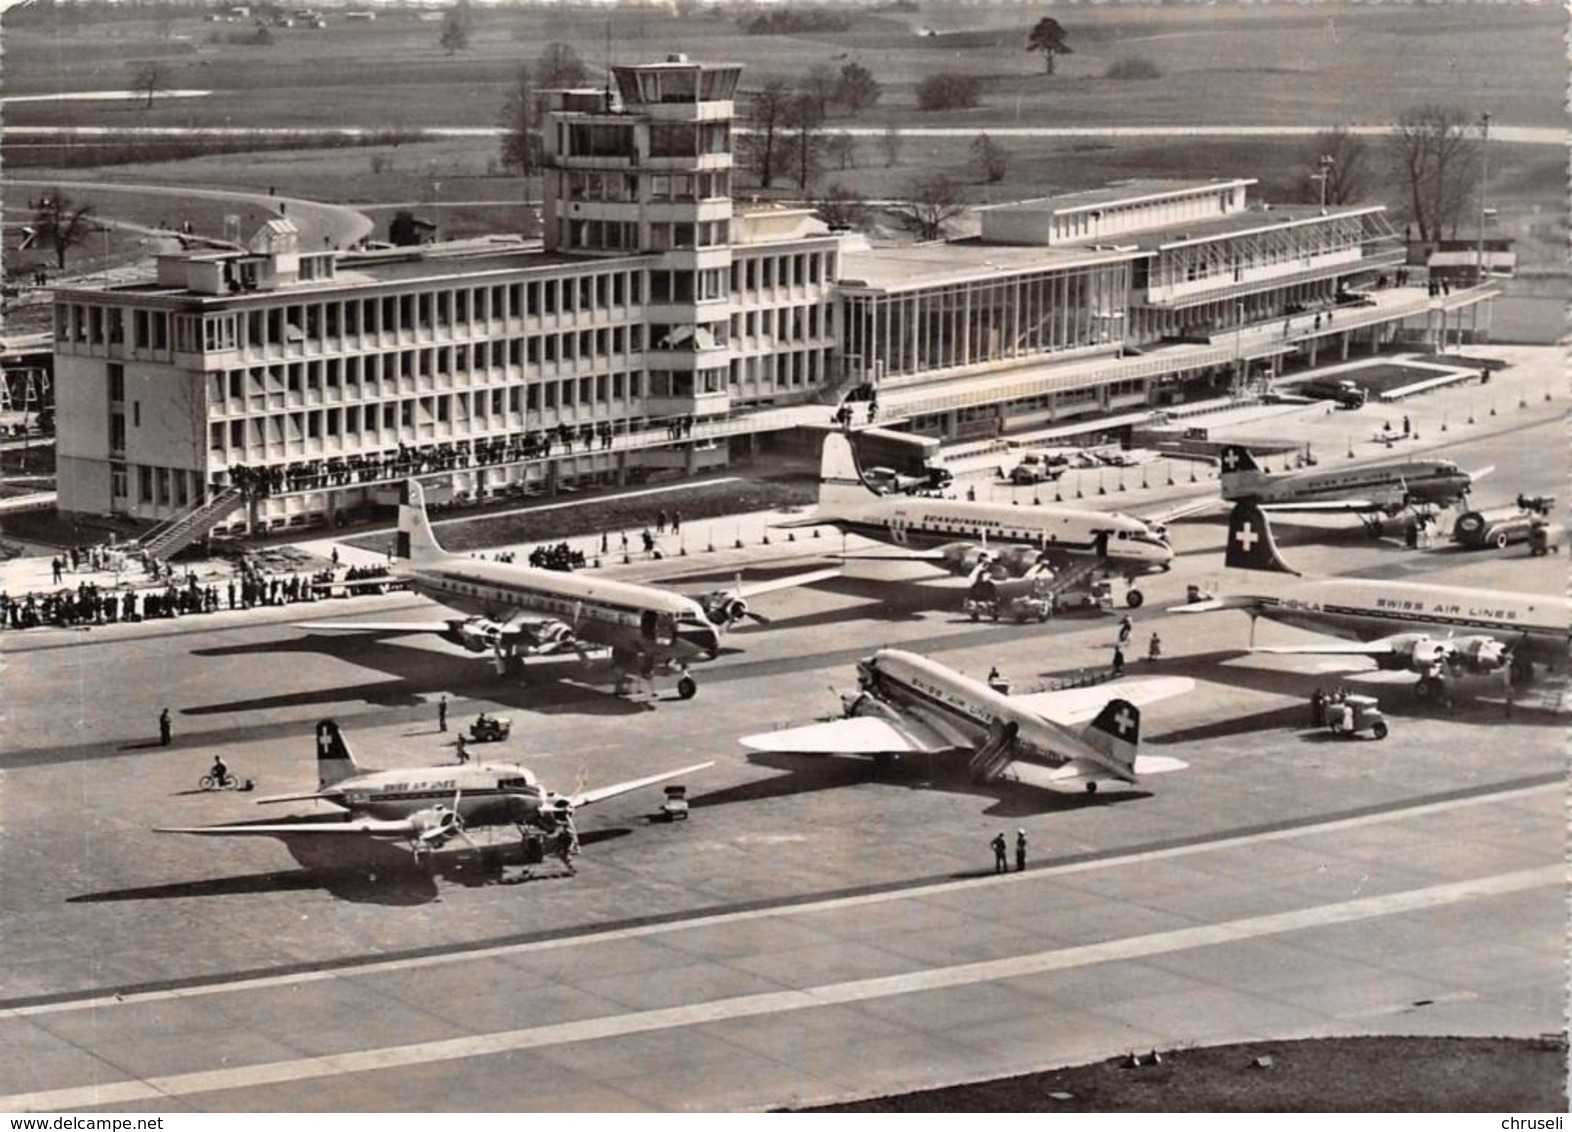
point(1134, 598)
point(687, 687)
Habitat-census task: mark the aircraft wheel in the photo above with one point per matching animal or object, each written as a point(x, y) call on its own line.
point(1522, 670)
point(1134, 599)
point(1091, 787)
point(687, 688)
point(1379, 729)
point(1501, 540)
point(996, 615)
point(1043, 616)
point(1427, 690)
point(975, 615)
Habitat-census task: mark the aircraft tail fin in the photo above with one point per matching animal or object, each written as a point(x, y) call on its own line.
point(840, 480)
point(1116, 734)
point(334, 761)
point(1250, 542)
point(1238, 471)
point(416, 542)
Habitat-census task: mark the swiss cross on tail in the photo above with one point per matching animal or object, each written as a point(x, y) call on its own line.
point(1250, 542)
point(1238, 459)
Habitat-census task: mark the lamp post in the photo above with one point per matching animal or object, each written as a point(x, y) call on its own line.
point(1484, 181)
point(1239, 377)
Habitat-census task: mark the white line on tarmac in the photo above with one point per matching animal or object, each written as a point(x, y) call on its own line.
point(781, 1002)
point(465, 955)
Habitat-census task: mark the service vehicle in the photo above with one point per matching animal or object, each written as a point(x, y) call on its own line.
point(1498, 527)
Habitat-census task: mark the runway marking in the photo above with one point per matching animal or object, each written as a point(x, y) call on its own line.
point(781, 1002)
point(835, 903)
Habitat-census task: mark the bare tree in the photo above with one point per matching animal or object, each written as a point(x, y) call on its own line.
point(890, 142)
point(989, 156)
point(150, 78)
point(521, 125)
point(841, 207)
point(1343, 156)
point(802, 124)
point(931, 203)
point(840, 148)
point(856, 88)
point(767, 113)
point(1437, 153)
point(561, 67)
point(61, 223)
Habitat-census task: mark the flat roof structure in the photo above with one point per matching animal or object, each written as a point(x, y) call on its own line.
point(919, 266)
point(1138, 190)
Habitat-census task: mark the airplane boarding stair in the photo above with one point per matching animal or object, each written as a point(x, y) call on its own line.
point(176, 533)
point(997, 752)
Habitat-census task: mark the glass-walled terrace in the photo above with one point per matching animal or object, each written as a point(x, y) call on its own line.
point(982, 321)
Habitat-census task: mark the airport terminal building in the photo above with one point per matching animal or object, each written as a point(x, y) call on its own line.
point(658, 323)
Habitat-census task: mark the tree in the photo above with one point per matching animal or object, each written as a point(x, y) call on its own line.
point(841, 207)
point(948, 91)
point(931, 202)
point(989, 156)
point(150, 78)
point(520, 121)
point(802, 122)
point(455, 30)
point(820, 84)
point(1344, 157)
point(62, 224)
point(840, 148)
point(1437, 155)
point(560, 67)
point(856, 89)
point(890, 142)
point(1049, 38)
point(767, 113)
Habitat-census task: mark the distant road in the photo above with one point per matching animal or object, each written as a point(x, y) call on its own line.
point(1525, 135)
point(320, 224)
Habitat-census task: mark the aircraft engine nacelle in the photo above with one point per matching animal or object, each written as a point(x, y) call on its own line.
point(1481, 654)
point(476, 635)
point(724, 607)
point(435, 827)
point(1415, 652)
point(554, 810)
point(864, 704)
point(550, 636)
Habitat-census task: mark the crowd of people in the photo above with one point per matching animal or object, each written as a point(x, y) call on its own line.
point(446, 456)
point(90, 603)
point(559, 557)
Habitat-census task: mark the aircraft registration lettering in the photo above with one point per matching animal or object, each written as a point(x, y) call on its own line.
point(1301, 603)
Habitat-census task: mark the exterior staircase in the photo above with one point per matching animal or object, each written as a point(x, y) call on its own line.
point(997, 752)
point(180, 531)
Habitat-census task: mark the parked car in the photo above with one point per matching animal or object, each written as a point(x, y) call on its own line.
point(1036, 467)
point(1346, 393)
point(1499, 527)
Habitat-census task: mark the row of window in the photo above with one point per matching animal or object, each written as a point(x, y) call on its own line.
point(581, 184)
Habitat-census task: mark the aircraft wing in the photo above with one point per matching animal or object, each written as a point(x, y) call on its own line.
point(857, 735)
point(376, 627)
point(1183, 510)
point(1332, 648)
point(1330, 506)
point(1214, 604)
point(753, 589)
point(587, 797)
point(936, 554)
point(1077, 705)
point(363, 827)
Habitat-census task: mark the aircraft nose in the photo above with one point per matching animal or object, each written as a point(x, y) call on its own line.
point(702, 638)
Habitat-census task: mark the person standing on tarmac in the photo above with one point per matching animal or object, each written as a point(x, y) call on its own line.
point(442, 713)
point(165, 729)
point(1020, 850)
point(1001, 860)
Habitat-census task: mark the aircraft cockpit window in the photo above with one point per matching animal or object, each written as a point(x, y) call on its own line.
point(523, 783)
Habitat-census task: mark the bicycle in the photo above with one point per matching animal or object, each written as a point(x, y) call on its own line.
point(212, 782)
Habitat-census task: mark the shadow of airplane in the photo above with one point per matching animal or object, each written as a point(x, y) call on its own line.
point(806, 774)
point(369, 872)
point(419, 674)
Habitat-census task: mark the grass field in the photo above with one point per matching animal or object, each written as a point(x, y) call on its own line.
point(1247, 64)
